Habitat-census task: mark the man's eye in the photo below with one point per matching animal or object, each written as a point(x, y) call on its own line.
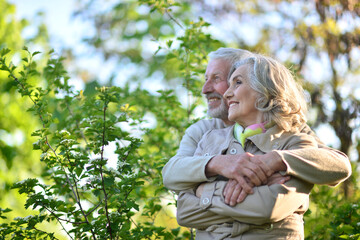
point(238, 82)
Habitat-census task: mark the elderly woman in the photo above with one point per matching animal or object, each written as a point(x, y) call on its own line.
point(268, 107)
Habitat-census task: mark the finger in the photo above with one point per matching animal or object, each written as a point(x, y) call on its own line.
point(245, 186)
point(256, 172)
point(254, 177)
point(235, 195)
point(278, 179)
point(284, 179)
point(274, 178)
point(261, 169)
point(230, 188)
point(226, 189)
point(260, 161)
point(242, 196)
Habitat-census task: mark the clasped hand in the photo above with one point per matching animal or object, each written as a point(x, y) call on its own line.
point(246, 171)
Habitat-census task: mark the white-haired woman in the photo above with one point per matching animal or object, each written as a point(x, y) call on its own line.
point(269, 108)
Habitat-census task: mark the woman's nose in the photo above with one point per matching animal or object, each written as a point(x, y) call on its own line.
point(228, 94)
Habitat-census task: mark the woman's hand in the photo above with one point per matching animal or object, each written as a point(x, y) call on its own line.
point(234, 192)
point(200, 190)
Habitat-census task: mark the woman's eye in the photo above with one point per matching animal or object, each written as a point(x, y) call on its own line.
point(238, 82)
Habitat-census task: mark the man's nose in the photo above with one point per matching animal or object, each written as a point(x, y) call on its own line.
point(208, 87)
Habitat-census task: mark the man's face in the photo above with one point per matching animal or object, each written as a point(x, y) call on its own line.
point(215, 86)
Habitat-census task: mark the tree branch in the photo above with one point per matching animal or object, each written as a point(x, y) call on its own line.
point(109, 229)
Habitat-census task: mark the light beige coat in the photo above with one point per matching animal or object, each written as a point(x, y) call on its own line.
point(318, 165)
point(271, 212)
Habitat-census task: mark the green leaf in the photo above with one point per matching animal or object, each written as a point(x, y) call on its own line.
point(109, 181)
point(35, 53)
point(5, 51)
point(78, 171)
point(169, 43)
point(26, 186)
point(344, 236)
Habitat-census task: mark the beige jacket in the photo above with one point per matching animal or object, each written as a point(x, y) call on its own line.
point(318, 165)
point(271, 212)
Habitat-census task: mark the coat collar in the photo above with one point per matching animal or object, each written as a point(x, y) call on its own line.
point(273, 139)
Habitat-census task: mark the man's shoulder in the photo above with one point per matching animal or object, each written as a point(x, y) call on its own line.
point(198, 129)
point(205, 125)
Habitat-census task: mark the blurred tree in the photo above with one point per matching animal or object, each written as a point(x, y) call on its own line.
point(319, 40)
point(161, 47)
point(17, 160)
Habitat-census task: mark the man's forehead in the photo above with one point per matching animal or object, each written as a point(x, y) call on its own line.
point(217, 66)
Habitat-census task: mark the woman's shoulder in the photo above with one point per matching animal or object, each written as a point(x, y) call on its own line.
point(295, 140)
point(277, 139)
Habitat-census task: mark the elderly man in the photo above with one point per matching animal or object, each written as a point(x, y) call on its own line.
point(320, 165)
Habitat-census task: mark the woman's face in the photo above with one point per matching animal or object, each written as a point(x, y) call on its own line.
point(241, 98)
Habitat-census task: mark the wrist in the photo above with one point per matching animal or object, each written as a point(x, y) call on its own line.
point(211, 167)
point(277, 162)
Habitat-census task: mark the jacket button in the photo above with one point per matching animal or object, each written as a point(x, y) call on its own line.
point(207, 154)
point(275, 146)
point(233, 151)
point(205, 200)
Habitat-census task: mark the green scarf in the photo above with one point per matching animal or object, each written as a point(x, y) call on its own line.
point(241, 135)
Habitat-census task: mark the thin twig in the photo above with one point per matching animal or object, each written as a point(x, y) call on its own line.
point(102, 176)
point(58, 220)
point(77, 123)
point(172, 18)
point(44, 232)
point(62, 219)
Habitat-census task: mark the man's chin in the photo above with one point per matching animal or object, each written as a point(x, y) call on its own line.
point(217, 113)
point(213, 105)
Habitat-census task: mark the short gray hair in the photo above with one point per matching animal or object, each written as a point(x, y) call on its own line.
point(230, 54)
point(281, 98)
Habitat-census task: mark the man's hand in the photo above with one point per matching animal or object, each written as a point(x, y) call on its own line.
point(234, 192)
point(272, 160)
point(240, 167)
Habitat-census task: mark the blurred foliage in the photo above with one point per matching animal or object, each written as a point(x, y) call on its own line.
point(164, 43)
point(17, 160)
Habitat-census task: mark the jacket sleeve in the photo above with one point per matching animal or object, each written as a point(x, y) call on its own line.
point(184, 170)
point(317, 165)
point(190, 214)
point(267, 204)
